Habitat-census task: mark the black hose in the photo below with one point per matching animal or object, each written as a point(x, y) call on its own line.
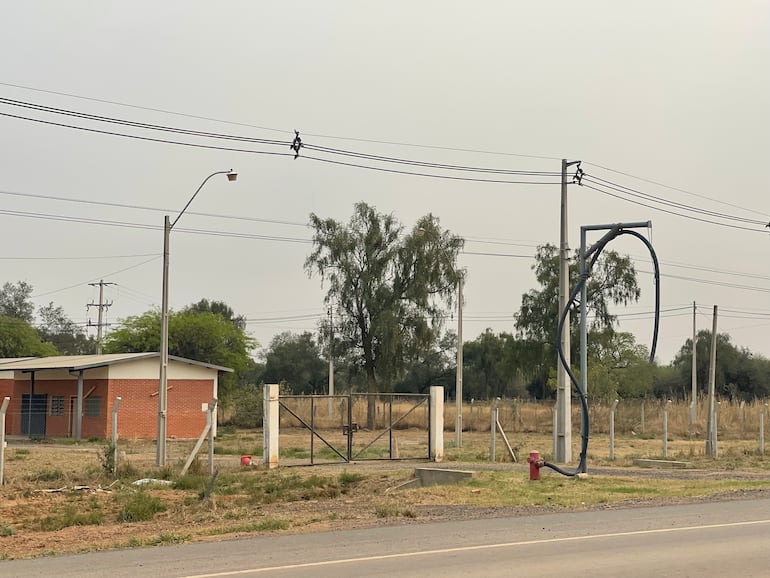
point(596, 250)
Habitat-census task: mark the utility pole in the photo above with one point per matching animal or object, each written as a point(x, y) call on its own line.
point(102, 306)
point(459, 382)
point(563, 435)
point(331, 362)
point(694, 408)
point(710, 429)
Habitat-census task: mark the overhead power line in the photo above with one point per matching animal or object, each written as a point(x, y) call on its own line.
point(640, 194)
point(293, 145)
point(243, 124)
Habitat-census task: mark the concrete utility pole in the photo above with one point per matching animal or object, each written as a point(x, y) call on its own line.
point(563, 438)
point(694, 406)
point(102, 306)
point(331, 361)
point(710, 425)
point(459, 382)
point(160, 451)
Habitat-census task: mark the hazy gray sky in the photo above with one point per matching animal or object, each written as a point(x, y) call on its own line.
point(645, 94)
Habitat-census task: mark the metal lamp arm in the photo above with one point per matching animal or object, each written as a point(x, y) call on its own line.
point(195, 194)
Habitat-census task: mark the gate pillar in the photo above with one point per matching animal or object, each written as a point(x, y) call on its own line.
point(436, 425)
point(270, 413)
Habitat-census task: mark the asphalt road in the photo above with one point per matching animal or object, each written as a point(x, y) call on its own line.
point(712, 539)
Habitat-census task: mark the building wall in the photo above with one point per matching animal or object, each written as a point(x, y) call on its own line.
point(61, 425)
point(138, 411)
point(149, 368)
point(6, 386)
point(135, 382)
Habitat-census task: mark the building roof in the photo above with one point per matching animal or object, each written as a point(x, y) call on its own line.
point(81, 362)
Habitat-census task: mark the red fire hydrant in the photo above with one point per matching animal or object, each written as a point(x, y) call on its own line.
point(535, 463)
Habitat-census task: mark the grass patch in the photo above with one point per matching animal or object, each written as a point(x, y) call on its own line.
point(140, 507)
point(71, 515)
point(267, 525)
point(6, 531)
point(191, 482)
point(164, 538)
point(298, 453)
point(502, 489)
point(388, 511)
point(48, 475)
point(349, 478)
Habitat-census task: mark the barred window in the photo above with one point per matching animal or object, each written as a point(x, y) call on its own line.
point(93, 406)
point(57, 405)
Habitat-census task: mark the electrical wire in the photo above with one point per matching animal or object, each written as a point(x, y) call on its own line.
point(672, 188)
point(674, 212)
point(640, 194)
point(234, 123)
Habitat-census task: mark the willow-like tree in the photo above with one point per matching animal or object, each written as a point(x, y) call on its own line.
point(612, 282)
point(390, 289)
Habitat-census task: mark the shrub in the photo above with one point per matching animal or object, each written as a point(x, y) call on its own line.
point(140, 507)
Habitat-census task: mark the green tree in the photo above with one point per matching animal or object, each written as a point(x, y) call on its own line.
point(437, 366)
point(19, 339)
point(612, 281)
point(389, 289)
point(15, 301)
point(493, 366)
point(202, 336)
point(738, 373)
point(617, 366)
point(218, 308)
point(58, 329)
point(294, 360)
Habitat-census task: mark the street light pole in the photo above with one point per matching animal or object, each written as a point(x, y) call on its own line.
point(163, 379)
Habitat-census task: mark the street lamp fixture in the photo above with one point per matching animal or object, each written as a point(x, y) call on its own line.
point(163, 381)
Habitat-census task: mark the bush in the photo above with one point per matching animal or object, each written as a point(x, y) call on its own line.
point(141, 507)
point(71, 515)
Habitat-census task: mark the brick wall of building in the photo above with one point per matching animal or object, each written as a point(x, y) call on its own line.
point(138, 411)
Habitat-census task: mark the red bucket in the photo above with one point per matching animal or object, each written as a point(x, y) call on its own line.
point(245, 460)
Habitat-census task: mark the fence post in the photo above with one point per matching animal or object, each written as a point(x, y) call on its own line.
point(3, 409)
point(554, 429)
point(742, 416)
point(212, 422)
point(643, 432)
point(762, 429)
point(691, 430)
point(665, 428)
point(612, 429)
point(715, 432)
point(115, 407)
point(436, 449)
point(493, 429)
point(271, 409)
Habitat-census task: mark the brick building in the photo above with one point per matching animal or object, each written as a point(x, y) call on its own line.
point(46, 393)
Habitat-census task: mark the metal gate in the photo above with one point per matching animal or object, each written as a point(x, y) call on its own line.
point(354, 427)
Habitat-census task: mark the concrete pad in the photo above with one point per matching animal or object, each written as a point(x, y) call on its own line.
point(439, 476)
point(667, 464)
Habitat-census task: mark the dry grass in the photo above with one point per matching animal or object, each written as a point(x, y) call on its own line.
point(92, 511)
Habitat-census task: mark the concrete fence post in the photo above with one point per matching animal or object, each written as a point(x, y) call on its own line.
point(211, 419)
point(612, 429)
point(270, 424)
point(115, 407)
point(665, 428)
point(436, 412)
point(3, 410)
point(493, 429)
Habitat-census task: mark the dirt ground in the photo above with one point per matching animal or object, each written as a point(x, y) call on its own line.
point(45, 483)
